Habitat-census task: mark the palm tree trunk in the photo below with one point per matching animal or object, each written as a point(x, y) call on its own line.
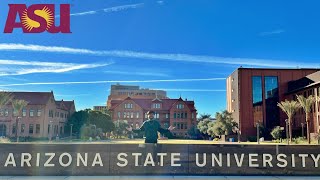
point(308, 128)
point(290, 130)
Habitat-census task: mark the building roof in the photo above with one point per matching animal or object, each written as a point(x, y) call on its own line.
point(305, 82)
point(34, 98)
point(65, 105)
point(146, 104)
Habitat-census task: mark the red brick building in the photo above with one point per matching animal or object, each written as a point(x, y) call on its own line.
point(43, 116)
point(120, 92)
point(176, 112)
point(253, 94)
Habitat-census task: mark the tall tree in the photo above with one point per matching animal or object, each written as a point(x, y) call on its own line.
point(5, 98)
point(18, 105)
point(306, 104)
point(78, 119)
point(289, 107)
point(101, 120)
point(224, 125)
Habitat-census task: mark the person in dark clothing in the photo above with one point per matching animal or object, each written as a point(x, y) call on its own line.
point(151, 127)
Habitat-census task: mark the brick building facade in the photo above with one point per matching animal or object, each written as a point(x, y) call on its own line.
point(176, 112)
point(253, 94)
point(43, 116)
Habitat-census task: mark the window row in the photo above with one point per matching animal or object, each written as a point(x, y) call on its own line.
point(129, 115)
point(180, 115)
point(58, 114)
point(22, 129)
point(31, 112)
point(180, 125)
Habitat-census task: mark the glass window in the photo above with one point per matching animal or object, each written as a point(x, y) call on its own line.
point(39, 112)
point(31, 112)
point(131, 114)
point(257, 99)
point(175, 115)
point(23, 126)
point(24, 112)
point(14, 129)
point(137, 114)
point(30, 128)
point(6, 112)
point(49, 127)
point(271, 99)
point(1, 112)
point(119, 114)
point(167, 115)
point(37, 128)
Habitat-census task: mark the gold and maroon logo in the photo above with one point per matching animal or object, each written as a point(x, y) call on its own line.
point(38, 18)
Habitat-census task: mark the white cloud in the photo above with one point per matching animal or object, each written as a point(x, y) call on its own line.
point(267, 33)
point(21, 67)
point(108, 10)
point(113, 81)
point(131, 73)
point(162, 56)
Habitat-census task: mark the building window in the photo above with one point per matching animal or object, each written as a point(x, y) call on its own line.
point(182, 115)
point(256, 99)
point(31, 129)
point(271, 92)
point(119, 114)
point(15, 112)
point(37, 128)
point(156, 115)
point(167, 115)
point(39, 112)
point(175, 115)
point(31, 112)
point(49, 128)
point(186, 115)
point(1, 112)
point(124, 114)
point(24, 112)
point(23, 126)
point(50, 113)
point(145, 115)
point(178, 115)
point(180, 106)
point(192, 116)
point(6, 112)
point(137, 115)
point(156, 105)
point(14, 129)
point(131, 114)
point(128, 106)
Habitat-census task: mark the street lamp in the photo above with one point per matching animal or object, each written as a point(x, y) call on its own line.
point(258, 133)
point(50, 131)
point(302, 130)
point(287, 130)
point(71, 132)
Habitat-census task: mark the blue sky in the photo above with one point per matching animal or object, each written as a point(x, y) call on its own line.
point(192, 45)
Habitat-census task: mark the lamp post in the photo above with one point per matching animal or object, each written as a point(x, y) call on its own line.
point(71, 132)
point(287, 130)
point(50, 131)
point(258, 133)
point(302, 130)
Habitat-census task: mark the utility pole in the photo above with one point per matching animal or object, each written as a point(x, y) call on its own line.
point(258, 133)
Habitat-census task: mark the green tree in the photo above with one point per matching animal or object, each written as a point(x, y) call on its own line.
point(5, 98)
point(18, 105)
point(203, 126)
point(101, 120)
point(306, 104)
point(120, 127)
point(289, 107)
point(194, 132)
point(204, 116)
point(77, 119)
point(224, 125)
point(276, 132)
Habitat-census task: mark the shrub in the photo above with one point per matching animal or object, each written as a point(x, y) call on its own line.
point(276, 132)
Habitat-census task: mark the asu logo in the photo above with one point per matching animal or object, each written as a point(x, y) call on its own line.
point(38, 18)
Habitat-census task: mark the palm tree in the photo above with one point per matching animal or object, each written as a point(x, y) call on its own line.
point(18, 105)
point(306, 104)
point(289, 107)
point(5, 98)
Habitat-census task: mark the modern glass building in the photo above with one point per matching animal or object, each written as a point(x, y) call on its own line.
point(253, 94)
